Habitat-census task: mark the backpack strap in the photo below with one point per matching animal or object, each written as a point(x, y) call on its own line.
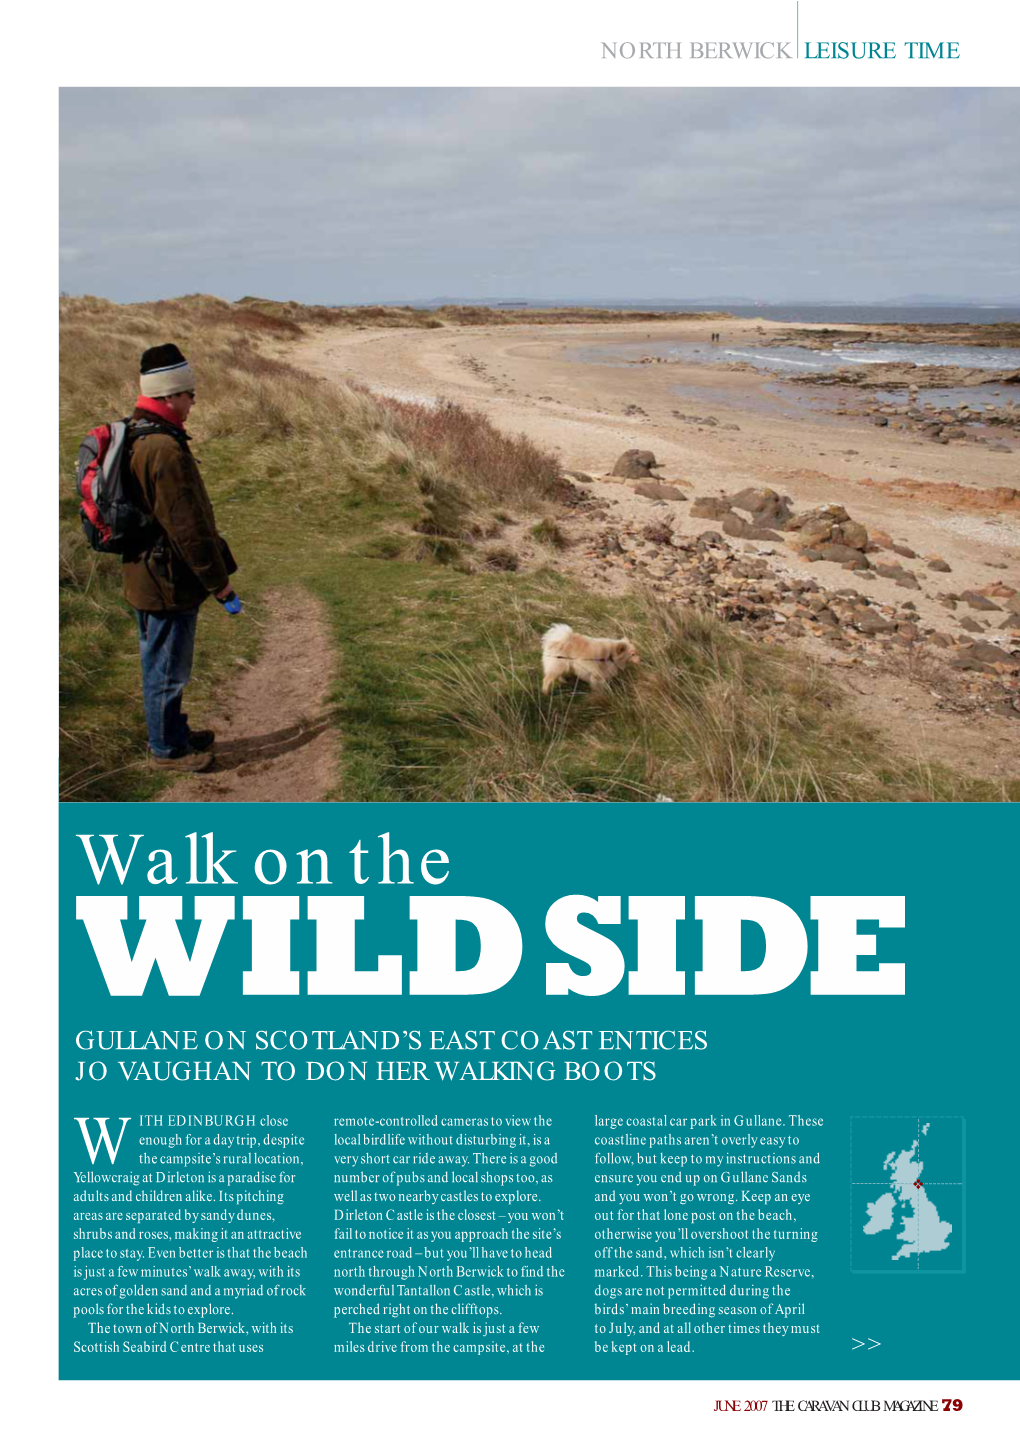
point(138, 429)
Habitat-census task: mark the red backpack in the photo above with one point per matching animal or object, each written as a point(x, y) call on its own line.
point(114, 516)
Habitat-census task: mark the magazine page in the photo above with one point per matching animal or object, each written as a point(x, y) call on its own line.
point(524, 854)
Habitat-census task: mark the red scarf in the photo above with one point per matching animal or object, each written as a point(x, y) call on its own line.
point(159, 408)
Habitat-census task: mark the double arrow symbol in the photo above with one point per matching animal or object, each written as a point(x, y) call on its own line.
point(858, 1344)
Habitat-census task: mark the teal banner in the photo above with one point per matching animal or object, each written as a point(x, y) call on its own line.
point(596, 1092)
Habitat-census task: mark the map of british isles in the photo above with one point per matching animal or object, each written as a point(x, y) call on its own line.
point(922, 1230)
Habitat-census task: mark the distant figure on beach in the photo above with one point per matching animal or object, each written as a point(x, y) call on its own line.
point(188, 562)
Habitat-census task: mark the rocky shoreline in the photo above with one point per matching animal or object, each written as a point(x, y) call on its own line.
point(826, 338)
point(885, 376)
point(962, 422)
point(739, 572)
point(992, 426)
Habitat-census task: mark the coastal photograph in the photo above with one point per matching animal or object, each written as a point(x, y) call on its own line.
point(539, 445)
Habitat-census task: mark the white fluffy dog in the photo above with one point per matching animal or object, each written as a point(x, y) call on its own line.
point(594, 659)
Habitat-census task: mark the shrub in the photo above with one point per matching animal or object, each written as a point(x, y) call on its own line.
point(493, 466)
point(547, 533)
point(501, 558)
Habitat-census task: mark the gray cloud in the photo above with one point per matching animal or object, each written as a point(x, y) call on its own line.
point(361, 195)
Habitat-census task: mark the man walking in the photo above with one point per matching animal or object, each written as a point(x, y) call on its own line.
point(189, 562)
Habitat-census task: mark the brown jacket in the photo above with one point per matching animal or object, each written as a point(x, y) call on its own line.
point(191, 561)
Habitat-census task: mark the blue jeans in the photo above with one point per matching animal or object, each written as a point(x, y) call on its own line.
point(166, 640)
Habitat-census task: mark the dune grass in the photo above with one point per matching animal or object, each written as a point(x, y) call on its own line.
point(390, 514)
point(458, 315)
point(439, 699)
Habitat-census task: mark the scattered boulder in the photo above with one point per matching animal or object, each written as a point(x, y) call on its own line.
point(900, 575)
point(873, 625)
point(708, 539)
point(977, 602)
point(851, 533)
point(763, 509)
point(845, 555)
point(984, 656)
point(937, 563)
point(658, 491)
point(735, 525)
point(636, 466)
point(829, 524)
point(765, 506)
point(712, 508)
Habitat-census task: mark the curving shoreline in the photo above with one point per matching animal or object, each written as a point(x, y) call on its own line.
point(717, 431)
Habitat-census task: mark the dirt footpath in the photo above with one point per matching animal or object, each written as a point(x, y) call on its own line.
point(275, 737)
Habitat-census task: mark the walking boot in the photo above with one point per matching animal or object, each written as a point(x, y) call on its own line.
point(189, 761)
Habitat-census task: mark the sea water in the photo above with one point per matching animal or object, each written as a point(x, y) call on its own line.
point(788, 360)
point(946, 398)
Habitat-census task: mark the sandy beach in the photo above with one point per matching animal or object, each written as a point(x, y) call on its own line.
point(716, 429)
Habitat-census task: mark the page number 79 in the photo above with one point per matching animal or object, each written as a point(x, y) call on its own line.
point(952, 1405)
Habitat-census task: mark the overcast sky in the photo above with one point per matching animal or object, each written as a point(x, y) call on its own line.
point(370, 195)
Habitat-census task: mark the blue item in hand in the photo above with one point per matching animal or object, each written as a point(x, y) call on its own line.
point(231, 603)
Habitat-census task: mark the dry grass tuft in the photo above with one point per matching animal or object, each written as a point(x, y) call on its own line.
point(497, 468)
point(548, 533)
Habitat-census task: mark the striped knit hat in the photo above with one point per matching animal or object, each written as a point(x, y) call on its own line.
point(165, 372)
